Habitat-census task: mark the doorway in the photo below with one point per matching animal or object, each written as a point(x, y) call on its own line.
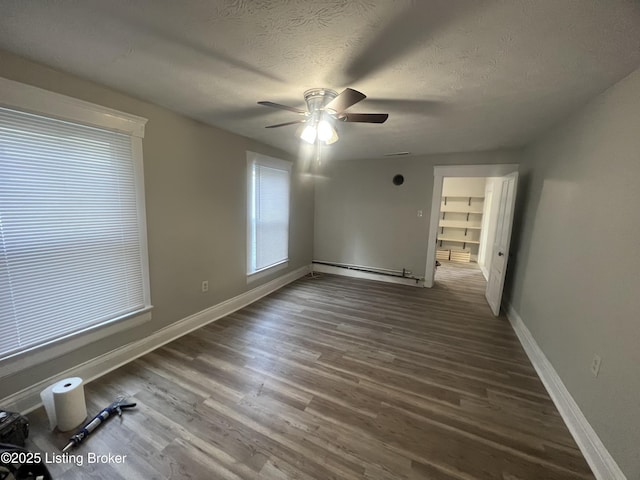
point(466, 226)
point(492, 255)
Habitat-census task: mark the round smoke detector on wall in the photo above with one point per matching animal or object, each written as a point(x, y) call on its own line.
point(398, 179)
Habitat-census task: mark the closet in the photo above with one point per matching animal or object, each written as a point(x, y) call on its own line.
point(461, 219)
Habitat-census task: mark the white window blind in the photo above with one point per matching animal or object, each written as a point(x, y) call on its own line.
point(71, 239)
point(268, 212)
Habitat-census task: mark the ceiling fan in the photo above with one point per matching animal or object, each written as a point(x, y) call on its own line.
point(324, 108)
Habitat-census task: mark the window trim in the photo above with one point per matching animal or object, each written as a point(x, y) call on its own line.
point(252, 158)
point(27, 98)
point(265, 272)
point(48, 351)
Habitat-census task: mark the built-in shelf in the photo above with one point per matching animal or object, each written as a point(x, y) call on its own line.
point(459, 240)
point(463, 196)
point(446, 209)
point(459, 224)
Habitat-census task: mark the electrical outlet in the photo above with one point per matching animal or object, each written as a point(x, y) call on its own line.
point(419, 213)
point(205, 285)
point(595, 365)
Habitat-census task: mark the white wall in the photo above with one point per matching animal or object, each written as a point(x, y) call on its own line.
point(463, 186)
point(575, 280)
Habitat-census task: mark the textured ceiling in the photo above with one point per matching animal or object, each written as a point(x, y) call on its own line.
point(454, 75)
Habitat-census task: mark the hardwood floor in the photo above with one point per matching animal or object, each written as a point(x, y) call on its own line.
point(335, 378)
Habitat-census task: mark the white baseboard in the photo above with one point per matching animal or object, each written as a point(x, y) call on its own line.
point(29, 399)
point(348, 272)
point(602, 464)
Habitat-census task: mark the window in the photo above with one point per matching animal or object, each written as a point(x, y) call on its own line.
point(72, 227)
point(268, 212)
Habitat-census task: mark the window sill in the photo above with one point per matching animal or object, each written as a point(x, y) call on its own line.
point(260, 274)
point(56, 348)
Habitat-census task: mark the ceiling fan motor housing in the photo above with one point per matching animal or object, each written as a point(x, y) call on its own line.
point(318, 98)
point(324, 108)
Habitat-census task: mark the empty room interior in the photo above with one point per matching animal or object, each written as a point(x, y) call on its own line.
point(320, 239)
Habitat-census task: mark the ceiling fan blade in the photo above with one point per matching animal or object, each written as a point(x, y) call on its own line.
point(364, 117)
point(346, 99)
point(285, 124)
point(283, 107)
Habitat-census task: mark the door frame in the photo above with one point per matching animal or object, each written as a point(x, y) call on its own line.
point(439, 173)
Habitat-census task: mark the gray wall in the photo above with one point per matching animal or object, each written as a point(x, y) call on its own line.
point(196, 211)
point(362, 218)
point(576, 277)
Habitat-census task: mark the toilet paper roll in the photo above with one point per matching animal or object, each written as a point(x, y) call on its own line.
point(65, 404)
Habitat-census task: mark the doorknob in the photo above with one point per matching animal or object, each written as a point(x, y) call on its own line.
point(500, 254)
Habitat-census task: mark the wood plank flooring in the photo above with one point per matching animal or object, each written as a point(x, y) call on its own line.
point(335, 378)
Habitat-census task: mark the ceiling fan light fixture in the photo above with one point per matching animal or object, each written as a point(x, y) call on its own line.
point(325, 131)
point(334, 137)
point(309, 134)
point(324, 108)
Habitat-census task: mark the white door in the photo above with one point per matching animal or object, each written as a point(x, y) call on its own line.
point(506, 195)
